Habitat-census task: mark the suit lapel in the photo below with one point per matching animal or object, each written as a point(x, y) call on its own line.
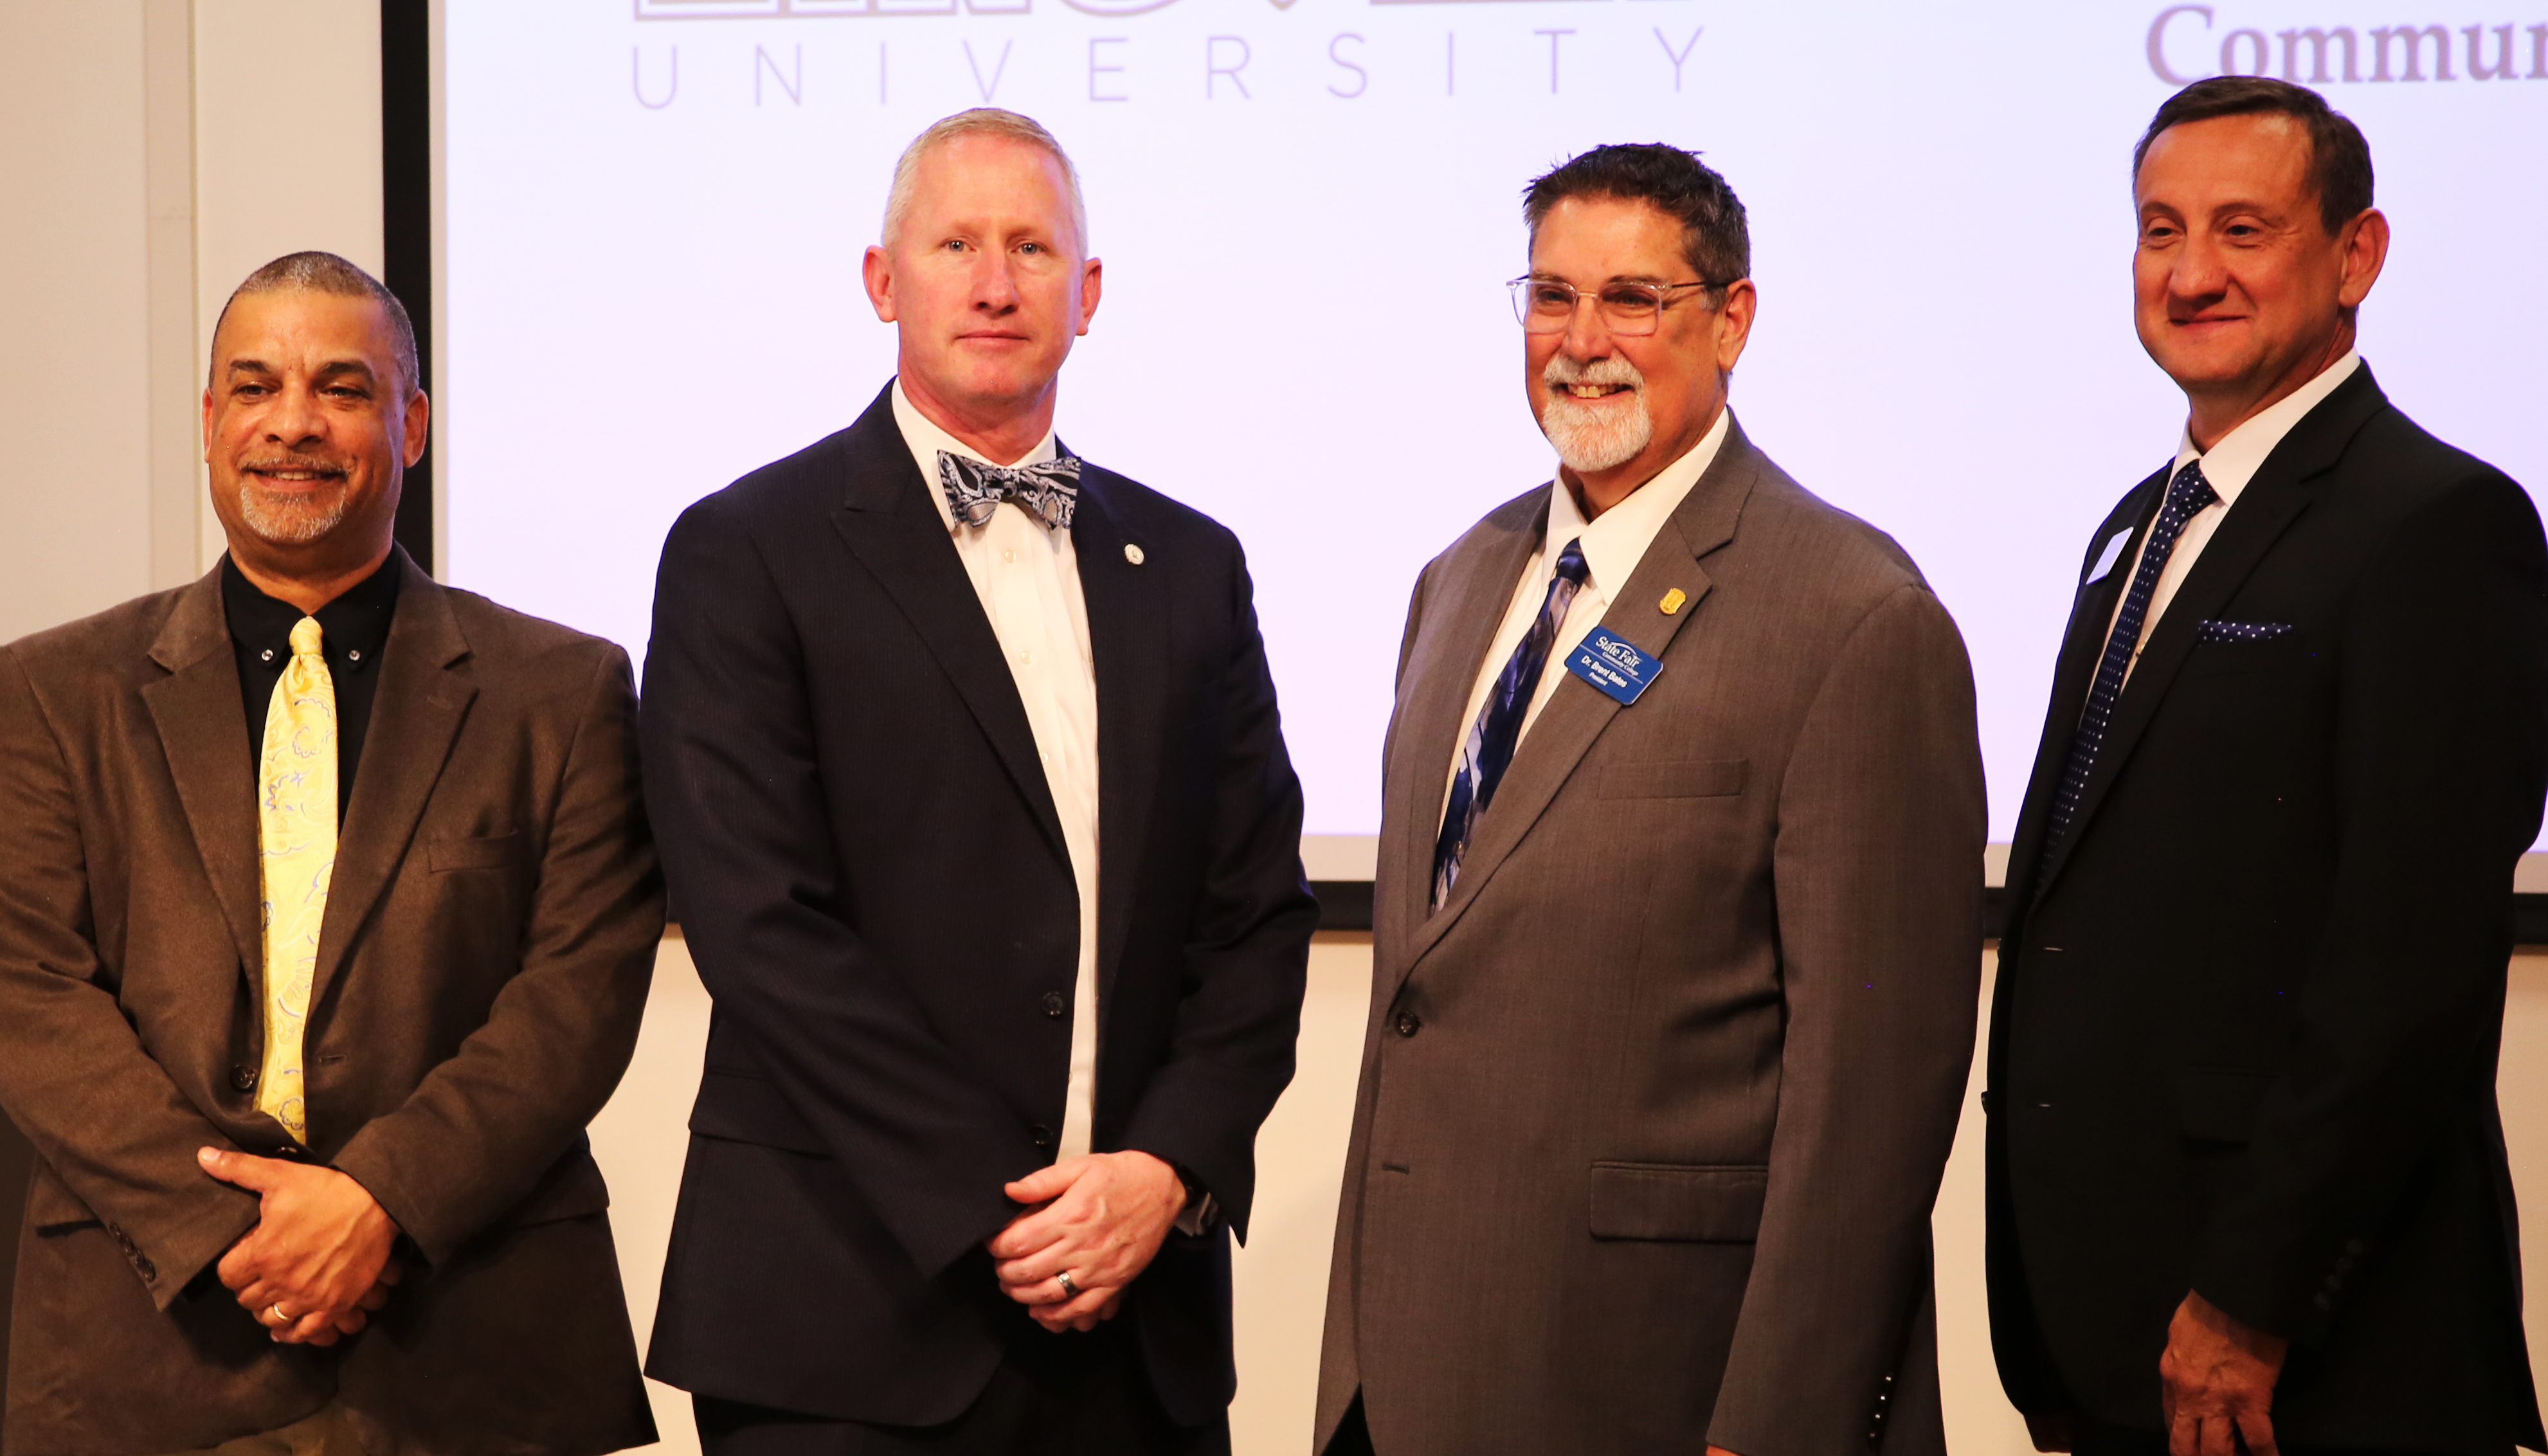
point(2083, 644)
point(424, 694)
point(1575, 712)
point(202, 729)
point(890, 526)
point(1128, 607)
point(2281, 490)
point(1470, 601)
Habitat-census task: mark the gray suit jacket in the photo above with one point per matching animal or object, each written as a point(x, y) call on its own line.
point(1653, 1110)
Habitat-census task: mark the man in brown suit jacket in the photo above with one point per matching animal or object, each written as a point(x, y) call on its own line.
point(1673, 1002)
point(340, 1202)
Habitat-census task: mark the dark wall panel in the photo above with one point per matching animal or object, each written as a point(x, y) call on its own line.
point(406, 221)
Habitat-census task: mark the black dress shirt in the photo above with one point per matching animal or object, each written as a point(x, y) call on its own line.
point(353, 629)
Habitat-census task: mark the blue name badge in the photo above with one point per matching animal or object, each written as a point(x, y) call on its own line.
point(1618, 668)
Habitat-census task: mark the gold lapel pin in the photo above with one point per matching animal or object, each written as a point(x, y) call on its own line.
point(1673, 599)
point(1132, 553)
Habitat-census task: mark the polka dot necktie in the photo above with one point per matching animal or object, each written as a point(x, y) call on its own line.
point(2188, 494)
point(1489, 749)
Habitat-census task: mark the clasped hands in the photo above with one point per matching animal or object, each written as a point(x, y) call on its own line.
point(317, 1262)
point(1100, 1219)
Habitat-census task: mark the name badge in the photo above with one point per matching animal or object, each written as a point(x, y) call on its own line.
point(2106, 558)
point(1617, 667)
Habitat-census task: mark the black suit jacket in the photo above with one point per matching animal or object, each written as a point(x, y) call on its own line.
point(871, 877)
point(2246, 1034)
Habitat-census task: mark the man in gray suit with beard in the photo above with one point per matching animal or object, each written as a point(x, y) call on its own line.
point(1678, 927)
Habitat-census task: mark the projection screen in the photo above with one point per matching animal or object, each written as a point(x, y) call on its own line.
point(1308, 209)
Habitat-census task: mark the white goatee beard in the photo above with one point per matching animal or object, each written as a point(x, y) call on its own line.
point(295, 525)
point(1591, 436)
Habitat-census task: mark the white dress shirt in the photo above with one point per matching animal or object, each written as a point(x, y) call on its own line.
point(2228, 466)
point(1612, 546)
point(1027, 575)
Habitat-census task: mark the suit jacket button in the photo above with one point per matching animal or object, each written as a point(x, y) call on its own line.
point(1054, 1004)
point(1408, 1024)
point(244, 1078)
point(1042, 1134)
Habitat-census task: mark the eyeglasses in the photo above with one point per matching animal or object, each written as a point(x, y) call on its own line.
point(1547, 305)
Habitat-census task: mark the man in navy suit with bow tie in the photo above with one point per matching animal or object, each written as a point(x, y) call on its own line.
point(2246, 1178)
point(974, 802)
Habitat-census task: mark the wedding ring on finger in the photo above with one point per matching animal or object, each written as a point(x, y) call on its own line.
point(1070, 1286)
point(276, 1310)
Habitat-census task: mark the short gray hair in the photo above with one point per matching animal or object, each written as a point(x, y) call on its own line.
point(982, 120)
point(317, 272)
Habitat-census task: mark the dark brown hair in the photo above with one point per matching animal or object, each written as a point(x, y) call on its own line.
point(2339, 159)
point(1717, 243)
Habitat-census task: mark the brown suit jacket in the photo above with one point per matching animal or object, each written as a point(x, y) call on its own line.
point(484, 961)
point(1654, 1109)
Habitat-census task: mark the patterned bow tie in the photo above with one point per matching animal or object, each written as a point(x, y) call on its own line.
point(974, 489)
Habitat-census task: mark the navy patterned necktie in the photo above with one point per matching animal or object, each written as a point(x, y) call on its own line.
point(1489, 749)
point(1047, 490)
point(2188, 494)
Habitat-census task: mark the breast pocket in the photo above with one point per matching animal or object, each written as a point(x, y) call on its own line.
point(1696, 778)
point(447, 853)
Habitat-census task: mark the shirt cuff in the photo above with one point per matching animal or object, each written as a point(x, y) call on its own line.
point(1200, 1211)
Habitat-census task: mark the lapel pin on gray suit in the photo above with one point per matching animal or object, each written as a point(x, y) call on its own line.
point(1677, 926)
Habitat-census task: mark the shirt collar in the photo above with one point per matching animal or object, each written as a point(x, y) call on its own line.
point(2235, 458)
point(924, 439)
point(354, 627)
point(1614, 543)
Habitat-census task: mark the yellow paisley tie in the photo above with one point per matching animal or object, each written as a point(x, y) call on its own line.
point(296, 829)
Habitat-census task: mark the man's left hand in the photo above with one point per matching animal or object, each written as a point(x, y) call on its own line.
point(318, 1258)
point(1099, 1218)
point(2217, 1382)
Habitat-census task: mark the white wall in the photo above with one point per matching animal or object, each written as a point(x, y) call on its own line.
point(158, 152)
point(75, 385)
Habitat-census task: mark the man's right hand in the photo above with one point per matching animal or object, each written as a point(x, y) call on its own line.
point(318, 1261)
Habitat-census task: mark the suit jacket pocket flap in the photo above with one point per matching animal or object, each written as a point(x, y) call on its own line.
point(1699, 778)
point(2219, 1104)
point(743, 1107)
point(1687, 1204)
point(472, 851)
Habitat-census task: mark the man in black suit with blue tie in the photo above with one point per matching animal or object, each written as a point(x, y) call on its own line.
point(2246, 1178)
point(974, 802)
